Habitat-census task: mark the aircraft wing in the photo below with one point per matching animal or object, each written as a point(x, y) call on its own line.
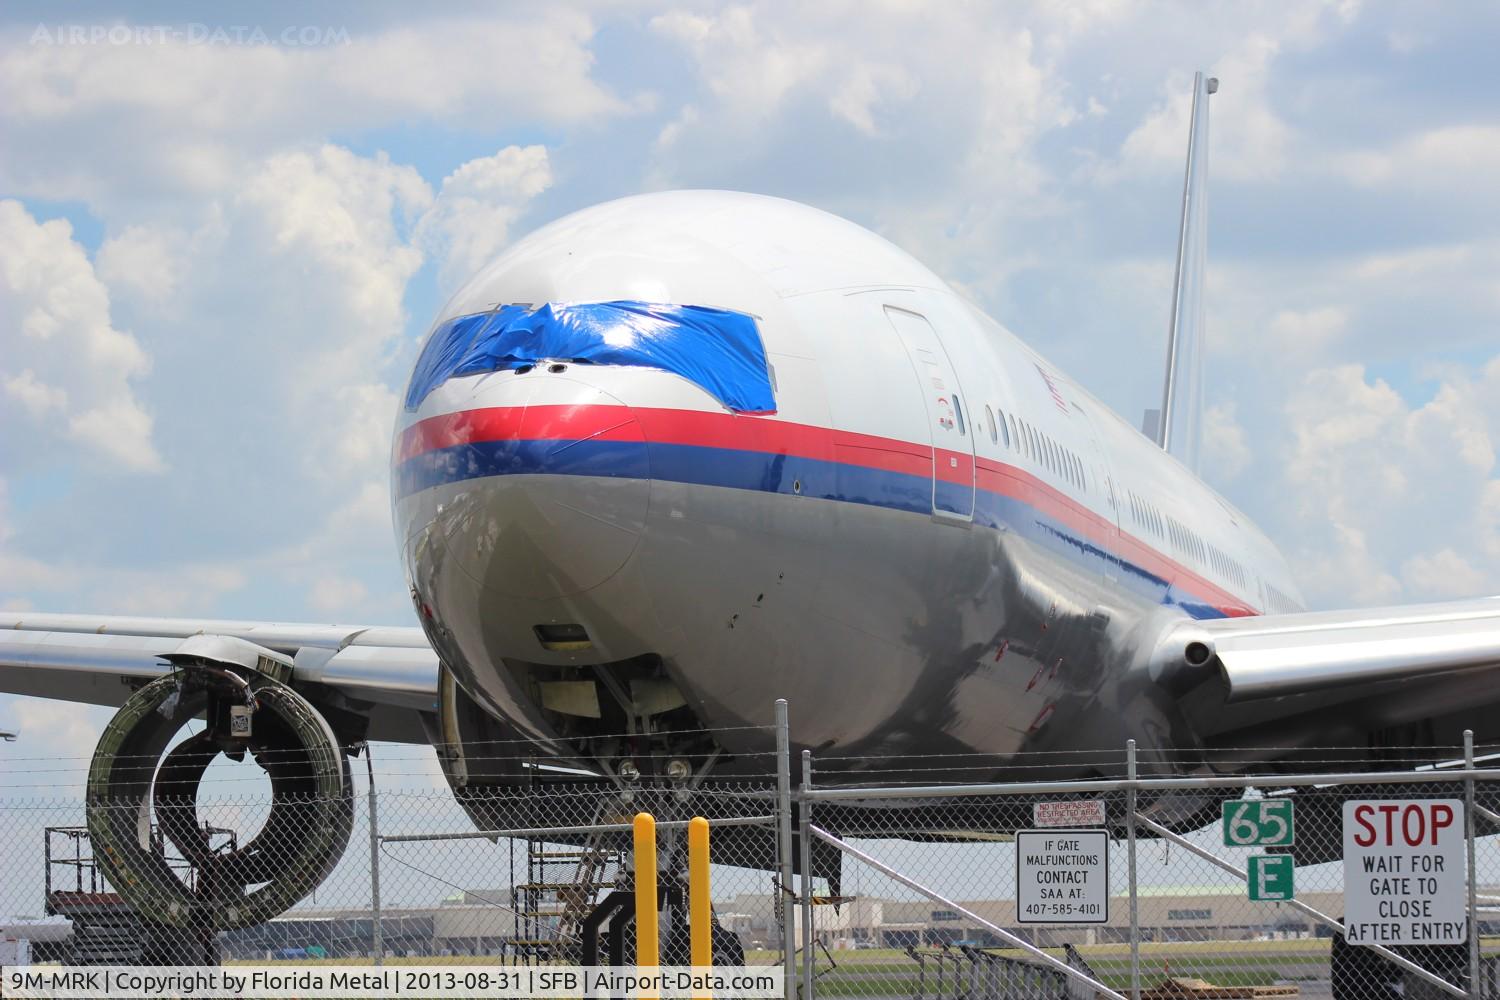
point(388, 675)
point(1383, 667)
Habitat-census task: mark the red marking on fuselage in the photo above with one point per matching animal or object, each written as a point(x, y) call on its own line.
point(775, 436)
point(1041, 718)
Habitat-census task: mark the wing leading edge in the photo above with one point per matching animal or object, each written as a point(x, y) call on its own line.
point(390, 674)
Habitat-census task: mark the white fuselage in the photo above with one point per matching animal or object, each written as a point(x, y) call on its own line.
point(937, 542)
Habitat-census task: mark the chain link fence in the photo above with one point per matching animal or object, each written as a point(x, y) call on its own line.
point(1180, 887)
point(534, 873)
point(1162, 886)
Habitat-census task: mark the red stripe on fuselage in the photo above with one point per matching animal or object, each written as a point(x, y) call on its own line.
point(779, 437)
point(1018, 484)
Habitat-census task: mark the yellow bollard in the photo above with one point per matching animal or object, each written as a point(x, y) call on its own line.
point(700, 913)
point(647, 917)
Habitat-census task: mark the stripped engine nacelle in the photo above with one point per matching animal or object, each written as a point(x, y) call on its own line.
point(137, 808)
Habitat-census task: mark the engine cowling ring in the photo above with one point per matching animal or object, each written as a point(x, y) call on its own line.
point(302, 839)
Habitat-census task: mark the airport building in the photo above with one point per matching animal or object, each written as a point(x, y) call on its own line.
point(473, 923)
point(1166, 914)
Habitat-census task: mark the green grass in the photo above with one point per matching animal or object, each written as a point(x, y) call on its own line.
point(858, 972)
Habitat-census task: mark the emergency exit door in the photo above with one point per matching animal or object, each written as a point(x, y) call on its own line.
point(948, 429)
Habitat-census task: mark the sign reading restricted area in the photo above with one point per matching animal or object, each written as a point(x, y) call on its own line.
point(1080, 812)
point(1404, 872)
point(1062, 876)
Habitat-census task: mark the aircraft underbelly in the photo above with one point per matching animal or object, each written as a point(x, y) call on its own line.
point(890, 633)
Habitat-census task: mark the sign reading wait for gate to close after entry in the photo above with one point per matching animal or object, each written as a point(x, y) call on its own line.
point(1258, 823)
point(1404, 872)
point(1062, 876)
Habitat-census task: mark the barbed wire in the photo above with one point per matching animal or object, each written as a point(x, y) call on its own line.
point(535, 743)
point(1010, 758)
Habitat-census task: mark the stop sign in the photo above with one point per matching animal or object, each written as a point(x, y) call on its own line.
point(1404, 872)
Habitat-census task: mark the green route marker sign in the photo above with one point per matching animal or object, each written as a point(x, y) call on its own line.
point(1258, 823)
point(1272, 876)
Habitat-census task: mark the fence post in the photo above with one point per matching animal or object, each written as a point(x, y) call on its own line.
point(1469, 827)
point(1135, 924)
point(784, 845)
point(377, 940)
point(805, 816)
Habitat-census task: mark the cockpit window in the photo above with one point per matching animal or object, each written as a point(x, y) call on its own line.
point(718, 350)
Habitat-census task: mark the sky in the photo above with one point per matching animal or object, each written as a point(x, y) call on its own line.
point(221, 241)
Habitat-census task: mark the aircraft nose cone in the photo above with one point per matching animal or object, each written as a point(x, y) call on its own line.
point(565, 504)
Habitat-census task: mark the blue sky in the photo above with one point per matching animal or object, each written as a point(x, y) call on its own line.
point(216, 258)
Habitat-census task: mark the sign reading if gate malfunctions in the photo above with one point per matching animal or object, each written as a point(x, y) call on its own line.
point(1062, 876)
point(1404, 872)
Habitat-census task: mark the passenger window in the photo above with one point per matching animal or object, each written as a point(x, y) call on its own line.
point(958, 414)
point(1015, 438)
point(989, 416)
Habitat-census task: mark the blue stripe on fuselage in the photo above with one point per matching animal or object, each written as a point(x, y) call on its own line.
point(779, 473)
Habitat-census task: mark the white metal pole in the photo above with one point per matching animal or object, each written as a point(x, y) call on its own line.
point(804, 812)
point(1135, 922)
point(784, 830)
point(377, 940)
point(1469, 827)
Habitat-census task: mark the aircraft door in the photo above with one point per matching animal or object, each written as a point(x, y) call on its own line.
point(949, 419)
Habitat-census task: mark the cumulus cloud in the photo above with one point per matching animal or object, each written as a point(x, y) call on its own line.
point(1446, 159)
point(746, 64)
point(919, 122)
point(336, 594)
point(867, 90)
point(1392, 495)
point(1258, 145)
point(1307, 331)
point(477, 205)
point(134, 128)
point(68, 372)
point(260, 278)
point(274, 319)
point(1444, 574)
point(61, 733)
point(145, 262)
point(1225, 447)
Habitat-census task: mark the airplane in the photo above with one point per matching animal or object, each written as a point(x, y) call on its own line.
point(674, 456)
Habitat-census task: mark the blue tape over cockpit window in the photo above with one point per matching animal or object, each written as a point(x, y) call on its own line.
point(716, 349)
